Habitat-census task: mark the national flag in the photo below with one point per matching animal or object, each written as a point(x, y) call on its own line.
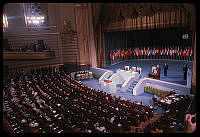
point(123, 53)
point(137, 52)
point(178, 51)
point(157, 51)
point(168, 52)
point(142, 51)
point(120, 53)
point(175, 51)
point(128, 53)
point(111, 55)
point(161, 52)
point(181, 52)
point(191, 52)
point(184, 52)
point(147, 51)
point(115, 54)
point(134, 52)
point(131, 53)
point(187, 53)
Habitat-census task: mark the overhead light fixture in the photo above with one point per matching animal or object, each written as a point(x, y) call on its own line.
point(35, 21)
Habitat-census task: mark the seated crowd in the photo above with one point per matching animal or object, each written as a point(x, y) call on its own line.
point(50, 101)
point(175, 107)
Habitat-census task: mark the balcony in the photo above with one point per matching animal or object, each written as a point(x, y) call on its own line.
point(28, 55)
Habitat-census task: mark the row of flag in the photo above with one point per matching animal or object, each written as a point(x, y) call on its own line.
point(121, 53)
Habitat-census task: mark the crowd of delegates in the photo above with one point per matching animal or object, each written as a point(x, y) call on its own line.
point(51, 101)
point(175, 106)
point(152, 53)
point(34, 47)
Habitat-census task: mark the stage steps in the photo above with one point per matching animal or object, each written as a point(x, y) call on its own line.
point(130, 89)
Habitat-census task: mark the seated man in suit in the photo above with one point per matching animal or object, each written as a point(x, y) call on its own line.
point(155, 101)
point(172, 93)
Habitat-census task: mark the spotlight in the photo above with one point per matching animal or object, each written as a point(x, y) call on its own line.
point(28, 18)
point(29, 21)
point(42, 17)
point(35, 21)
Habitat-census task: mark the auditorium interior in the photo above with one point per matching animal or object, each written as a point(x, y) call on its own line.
point(99, 67)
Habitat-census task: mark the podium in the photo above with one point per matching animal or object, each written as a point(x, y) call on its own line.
point(133, 69)
point(108, 85)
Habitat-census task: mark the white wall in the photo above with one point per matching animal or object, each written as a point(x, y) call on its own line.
point(163, 85)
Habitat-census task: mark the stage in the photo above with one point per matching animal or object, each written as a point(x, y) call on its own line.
point(174, 75)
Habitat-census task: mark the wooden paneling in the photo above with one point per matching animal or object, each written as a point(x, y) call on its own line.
point(28, 55)
point(51, 38)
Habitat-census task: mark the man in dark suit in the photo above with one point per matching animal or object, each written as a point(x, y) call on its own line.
point(185, 68)
point(158, 71)
point(165, 68)
point(155, 100)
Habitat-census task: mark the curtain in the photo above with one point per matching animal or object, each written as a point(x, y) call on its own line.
point(100, 47)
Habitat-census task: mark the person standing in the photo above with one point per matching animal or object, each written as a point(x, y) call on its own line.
point(165, 68)
point(185, 68)
point(158, 72)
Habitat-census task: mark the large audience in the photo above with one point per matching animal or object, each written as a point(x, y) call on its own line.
point(50, 101)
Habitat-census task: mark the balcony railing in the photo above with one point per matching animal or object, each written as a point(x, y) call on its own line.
point(29, 29)
point(28, 55)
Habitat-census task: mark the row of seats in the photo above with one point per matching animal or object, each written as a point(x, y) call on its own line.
point(55, 103)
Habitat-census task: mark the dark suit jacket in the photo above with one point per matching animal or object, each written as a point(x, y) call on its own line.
point(165, 67)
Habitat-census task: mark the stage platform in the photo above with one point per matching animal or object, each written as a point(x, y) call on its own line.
point(175, 75)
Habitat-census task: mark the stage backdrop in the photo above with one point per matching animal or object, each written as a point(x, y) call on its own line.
point(158, 38)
